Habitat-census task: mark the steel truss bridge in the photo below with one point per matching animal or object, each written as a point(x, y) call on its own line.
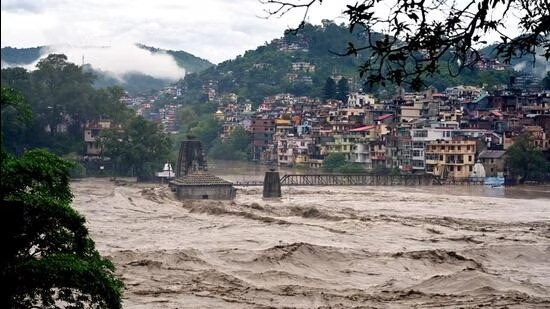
point(350, 180)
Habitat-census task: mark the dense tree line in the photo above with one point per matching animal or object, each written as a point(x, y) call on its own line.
point(48, 259)
point(525, 162)
point(338, 91)
point(237, 146)
point(62, 99)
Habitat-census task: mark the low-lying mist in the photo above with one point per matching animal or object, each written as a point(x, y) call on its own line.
point(117, 60)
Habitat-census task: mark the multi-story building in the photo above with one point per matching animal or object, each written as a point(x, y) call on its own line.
point(538, 136)
point(360, 100)
point(453, 159)
point(92, 132)
point(344, 144)
point(420, 137)
point(377, 154)
point(262, 136)
point(493, 162)
point(293, 150)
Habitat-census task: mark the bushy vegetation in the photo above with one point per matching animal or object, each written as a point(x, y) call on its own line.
point(337, 163)
point(235, 147)
point(525, 162)
point(139, 149)
point(48, 258)
point(264, 71)
point(61, 98)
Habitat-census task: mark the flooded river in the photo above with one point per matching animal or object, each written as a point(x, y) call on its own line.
point(338, 247)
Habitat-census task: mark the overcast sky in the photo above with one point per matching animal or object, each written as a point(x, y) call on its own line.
point(213, 29)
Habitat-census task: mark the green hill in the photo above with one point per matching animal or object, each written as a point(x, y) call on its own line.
point(276, 67)
point(24, 56)
point(20, 56)
point(184, 59)
point(131, 81)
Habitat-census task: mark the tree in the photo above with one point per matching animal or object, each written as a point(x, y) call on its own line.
point(139, 145)
point(405, 42)
point(206, 130)
point(343, 90)
point(333, 161)
point(336, 163)
point(235, 147)
point(546, 81)
point(60, 95)
point(329, 91)
point(187, 118)
point(58, 86)
point(48, 255)
point(13, 104)
point(523, 160)
point(48, 258)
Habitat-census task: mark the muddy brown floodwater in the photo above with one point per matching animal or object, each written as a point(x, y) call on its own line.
point(337, 247)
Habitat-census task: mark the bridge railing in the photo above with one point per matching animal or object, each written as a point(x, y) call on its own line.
point(356, 180)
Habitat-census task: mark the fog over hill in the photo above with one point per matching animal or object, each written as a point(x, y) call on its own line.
point(114, 64)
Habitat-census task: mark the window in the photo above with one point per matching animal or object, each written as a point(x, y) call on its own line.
point(458, 168)
point(470, 158)
point(420, 133)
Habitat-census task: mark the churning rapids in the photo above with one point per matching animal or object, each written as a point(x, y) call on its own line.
point(338, 247)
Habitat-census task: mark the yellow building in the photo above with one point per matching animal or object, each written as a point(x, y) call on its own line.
point(343, 144)
point(453, 159)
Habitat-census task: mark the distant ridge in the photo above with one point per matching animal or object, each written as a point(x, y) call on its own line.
point(131, 81)
point(25, 56)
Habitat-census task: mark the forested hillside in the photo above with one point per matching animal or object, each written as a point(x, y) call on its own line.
point(20, 56)
point(301, 63)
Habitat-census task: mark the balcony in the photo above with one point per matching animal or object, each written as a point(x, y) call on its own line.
point(454, 162)
point(378, 158)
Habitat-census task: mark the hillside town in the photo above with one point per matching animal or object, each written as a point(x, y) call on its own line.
point(445, 133)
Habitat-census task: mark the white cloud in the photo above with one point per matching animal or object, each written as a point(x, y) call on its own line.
point(117, 60)
point(213, 29)
point(123, 58)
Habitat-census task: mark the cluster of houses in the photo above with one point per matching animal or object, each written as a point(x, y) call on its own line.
point(440, 133)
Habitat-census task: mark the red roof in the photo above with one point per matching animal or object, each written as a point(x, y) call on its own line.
point(384, 117)
point(362, 129)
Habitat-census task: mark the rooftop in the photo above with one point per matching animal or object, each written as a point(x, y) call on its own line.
point(200, 178)
point(491, 154)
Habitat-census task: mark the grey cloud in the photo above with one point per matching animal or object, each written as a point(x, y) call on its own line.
point(213, 29)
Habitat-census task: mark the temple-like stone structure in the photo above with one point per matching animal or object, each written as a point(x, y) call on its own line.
point(192, 179)
point(191, 158)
